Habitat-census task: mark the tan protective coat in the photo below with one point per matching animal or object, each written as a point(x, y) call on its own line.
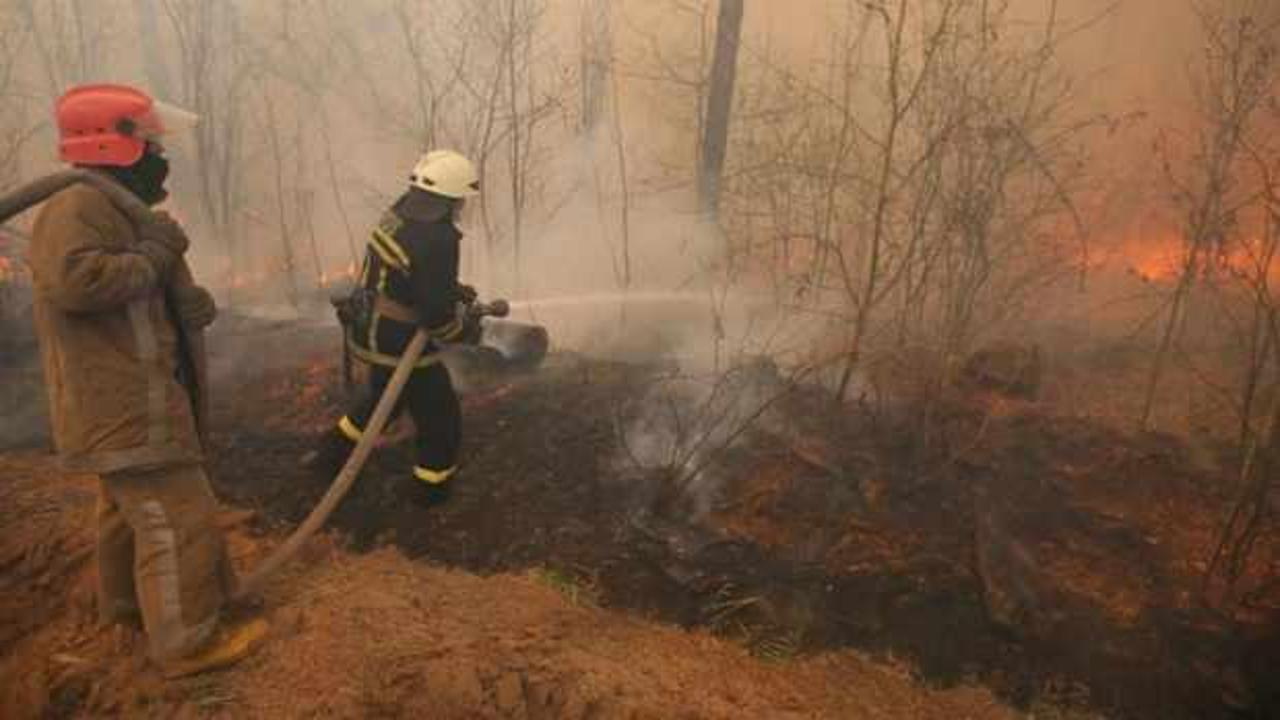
point(110, 351)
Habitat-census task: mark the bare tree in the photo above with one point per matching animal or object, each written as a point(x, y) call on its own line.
point(477, 86)
point(66, 41)
point(209, 73)
point(1240, 75)
point(154, 56)
point(276, 144)
point(17, 126)
point(622, 268)
point(1233, 245)
point(595, 61)
point(677, 62)
point(912, 178)
point(601, 100)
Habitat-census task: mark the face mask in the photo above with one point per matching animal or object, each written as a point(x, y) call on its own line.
point(145, 178)
point(151, 171)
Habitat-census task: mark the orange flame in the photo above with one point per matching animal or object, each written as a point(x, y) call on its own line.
point(328, 277)
point(1162, 260)
point(1155, 260)
point(248, 279)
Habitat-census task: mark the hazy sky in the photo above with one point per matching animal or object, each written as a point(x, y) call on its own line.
point(1132, 53)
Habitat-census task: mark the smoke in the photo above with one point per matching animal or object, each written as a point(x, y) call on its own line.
point(685, 424)
point(24, 418)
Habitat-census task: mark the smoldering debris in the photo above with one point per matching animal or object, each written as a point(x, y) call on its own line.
point(683, 422)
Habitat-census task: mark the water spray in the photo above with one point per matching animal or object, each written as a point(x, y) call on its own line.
point(594, 299)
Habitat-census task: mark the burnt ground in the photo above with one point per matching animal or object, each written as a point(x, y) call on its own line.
point(379, 635)
point(1040, 556)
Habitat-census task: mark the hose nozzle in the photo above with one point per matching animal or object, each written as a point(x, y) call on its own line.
point(494, 308)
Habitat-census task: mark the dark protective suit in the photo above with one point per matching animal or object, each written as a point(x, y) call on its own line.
point(411, 268)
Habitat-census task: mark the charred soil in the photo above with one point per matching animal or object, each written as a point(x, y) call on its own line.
point(380, 635)
point(1041, 556)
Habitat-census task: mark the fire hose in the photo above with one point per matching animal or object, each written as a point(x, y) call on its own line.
point(346, 477)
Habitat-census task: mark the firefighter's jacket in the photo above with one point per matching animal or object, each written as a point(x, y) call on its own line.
point(109, 349)
point(412, 262)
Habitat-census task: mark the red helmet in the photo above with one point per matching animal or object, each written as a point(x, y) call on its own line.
point(111, 124)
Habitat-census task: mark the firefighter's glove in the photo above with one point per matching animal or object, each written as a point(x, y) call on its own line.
point(163, 242)
point(467, 294)
point(196, 306)
point(471, 330)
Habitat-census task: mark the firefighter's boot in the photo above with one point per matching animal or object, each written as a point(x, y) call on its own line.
point(432, 488)
point(228, 646)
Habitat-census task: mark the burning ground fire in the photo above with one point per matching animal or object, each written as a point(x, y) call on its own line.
point(1154, 261)
point(264, 276)
point(1160, 260)
point(332, 277)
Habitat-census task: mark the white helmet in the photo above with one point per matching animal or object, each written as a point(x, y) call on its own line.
point(447, 173)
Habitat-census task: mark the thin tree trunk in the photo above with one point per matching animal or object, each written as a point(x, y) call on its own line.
point(336, 187)
point(719, 107)
point(517, 165)
point(152, 53)
point(282, 213)
point(597, 43)
point(306, 206)
point(1177, 311)
point(1257, 482)
point(624, 186)
point(872, 278)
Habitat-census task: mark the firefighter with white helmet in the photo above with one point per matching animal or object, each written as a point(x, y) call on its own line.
point(409, 280)
point(447, 174)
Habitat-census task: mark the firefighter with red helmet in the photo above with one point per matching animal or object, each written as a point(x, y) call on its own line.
point(112, 300)
point(409, 280)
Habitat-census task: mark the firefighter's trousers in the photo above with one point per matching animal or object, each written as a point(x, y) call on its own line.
point(431, 400)
point(161, 555)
